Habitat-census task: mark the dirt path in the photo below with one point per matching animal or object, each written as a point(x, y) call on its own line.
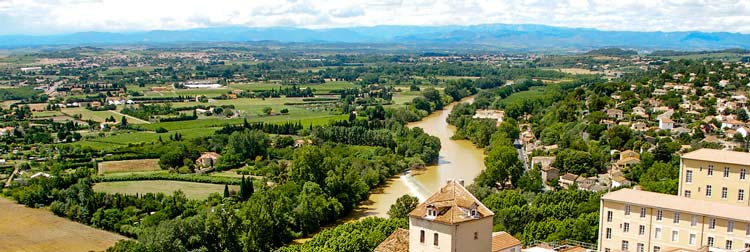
point(10, 178)
point(37, 230)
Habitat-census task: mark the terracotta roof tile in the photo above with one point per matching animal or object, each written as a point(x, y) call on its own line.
point(503, 240)
point(398, 241)
point(453, 204)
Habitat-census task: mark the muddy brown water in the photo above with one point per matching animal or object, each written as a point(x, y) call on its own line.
point(459, 159)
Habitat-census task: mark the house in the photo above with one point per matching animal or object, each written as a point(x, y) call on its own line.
point(452, 219)
point(542, 161)
point(639, 126)
point(7, 131)
point(628, 158)
point(666, 124)
point(207, 159)
point(504, 242)
point(618, 181)
point(568, 180)
point(40, 174)
point(550, 173)
point(490, 114)
point(615, 114)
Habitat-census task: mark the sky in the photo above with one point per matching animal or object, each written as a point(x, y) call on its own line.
point(66, 16)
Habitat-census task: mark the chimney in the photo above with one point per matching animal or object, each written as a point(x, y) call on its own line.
point(461, 181)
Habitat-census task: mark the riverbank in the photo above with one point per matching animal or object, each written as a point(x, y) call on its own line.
point(459, 159)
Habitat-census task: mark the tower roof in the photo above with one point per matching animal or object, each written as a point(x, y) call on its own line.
point(452, 204)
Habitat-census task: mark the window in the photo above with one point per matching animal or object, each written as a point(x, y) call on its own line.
point(724, 193)
point(742, 174)
point(639, 247)
point(609, 233)
point(476, 236)
point(675, 235)
point(694, 221)
point(741, 195)
point(657, 248)
point(657, 233)
point(421, 236)
point(689, 176)
point(691, 241)
point(687, 194)
point(710, 242)
point(747, 229)
point(609, 216)
point(626, 227)
point(729, 244)
point(726, 172)
point(627, 209)
point(641, 230)
point(712, 223)
point(676, 217)
point(607, 250)
point(730, 226)
point(624, 246)
point(435, 239)
point(659, 215)
point(747, 245)
point(643, 212)
point(708, 191)
point(710, 170)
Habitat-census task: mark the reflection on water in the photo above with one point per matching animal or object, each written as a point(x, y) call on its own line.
point(458, 160)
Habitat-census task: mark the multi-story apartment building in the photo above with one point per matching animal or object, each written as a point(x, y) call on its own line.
point(715, 175)
point(711, 212)
point(640, 221)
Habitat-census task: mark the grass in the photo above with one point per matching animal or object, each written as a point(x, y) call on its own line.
point(28, 229)
point(137, 165)
point(192, 190)
point(532, 93)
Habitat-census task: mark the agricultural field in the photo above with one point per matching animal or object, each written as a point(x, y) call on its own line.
point(100, 116)
point(191, 189)
point(31, 230)
point(128, 166)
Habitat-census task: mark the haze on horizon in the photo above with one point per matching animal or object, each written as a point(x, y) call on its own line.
point(44, 17)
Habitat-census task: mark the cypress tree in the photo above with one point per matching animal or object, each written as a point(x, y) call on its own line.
point(242, 188)
point(226, 191)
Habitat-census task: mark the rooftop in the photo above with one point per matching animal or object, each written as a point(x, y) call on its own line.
point(503, 240)
point(398, 241)
point(719, 156)
point(682, 204)
point(453, 204)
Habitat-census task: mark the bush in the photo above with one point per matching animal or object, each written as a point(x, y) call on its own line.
point(161, 130)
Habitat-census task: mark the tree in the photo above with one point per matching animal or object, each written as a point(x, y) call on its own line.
point(503, 166)
point(742, 115)
point(246, 188)
point(403, 206)
point(226, 191)
point(531, 181)
point(267, 110)
point(123, 122)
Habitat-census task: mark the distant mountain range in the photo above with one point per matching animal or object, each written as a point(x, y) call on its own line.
point(500, 36)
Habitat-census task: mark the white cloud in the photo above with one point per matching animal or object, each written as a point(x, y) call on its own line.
point(59, 16)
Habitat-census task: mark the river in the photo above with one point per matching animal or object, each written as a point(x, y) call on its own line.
point(459, 159)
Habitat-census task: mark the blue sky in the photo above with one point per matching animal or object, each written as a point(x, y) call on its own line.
point(64, 16)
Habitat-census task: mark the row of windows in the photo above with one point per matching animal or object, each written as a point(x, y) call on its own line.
point(435, 240)
point(625, 245)
point(676, 220)
point(710, 172)
point(724, 193)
